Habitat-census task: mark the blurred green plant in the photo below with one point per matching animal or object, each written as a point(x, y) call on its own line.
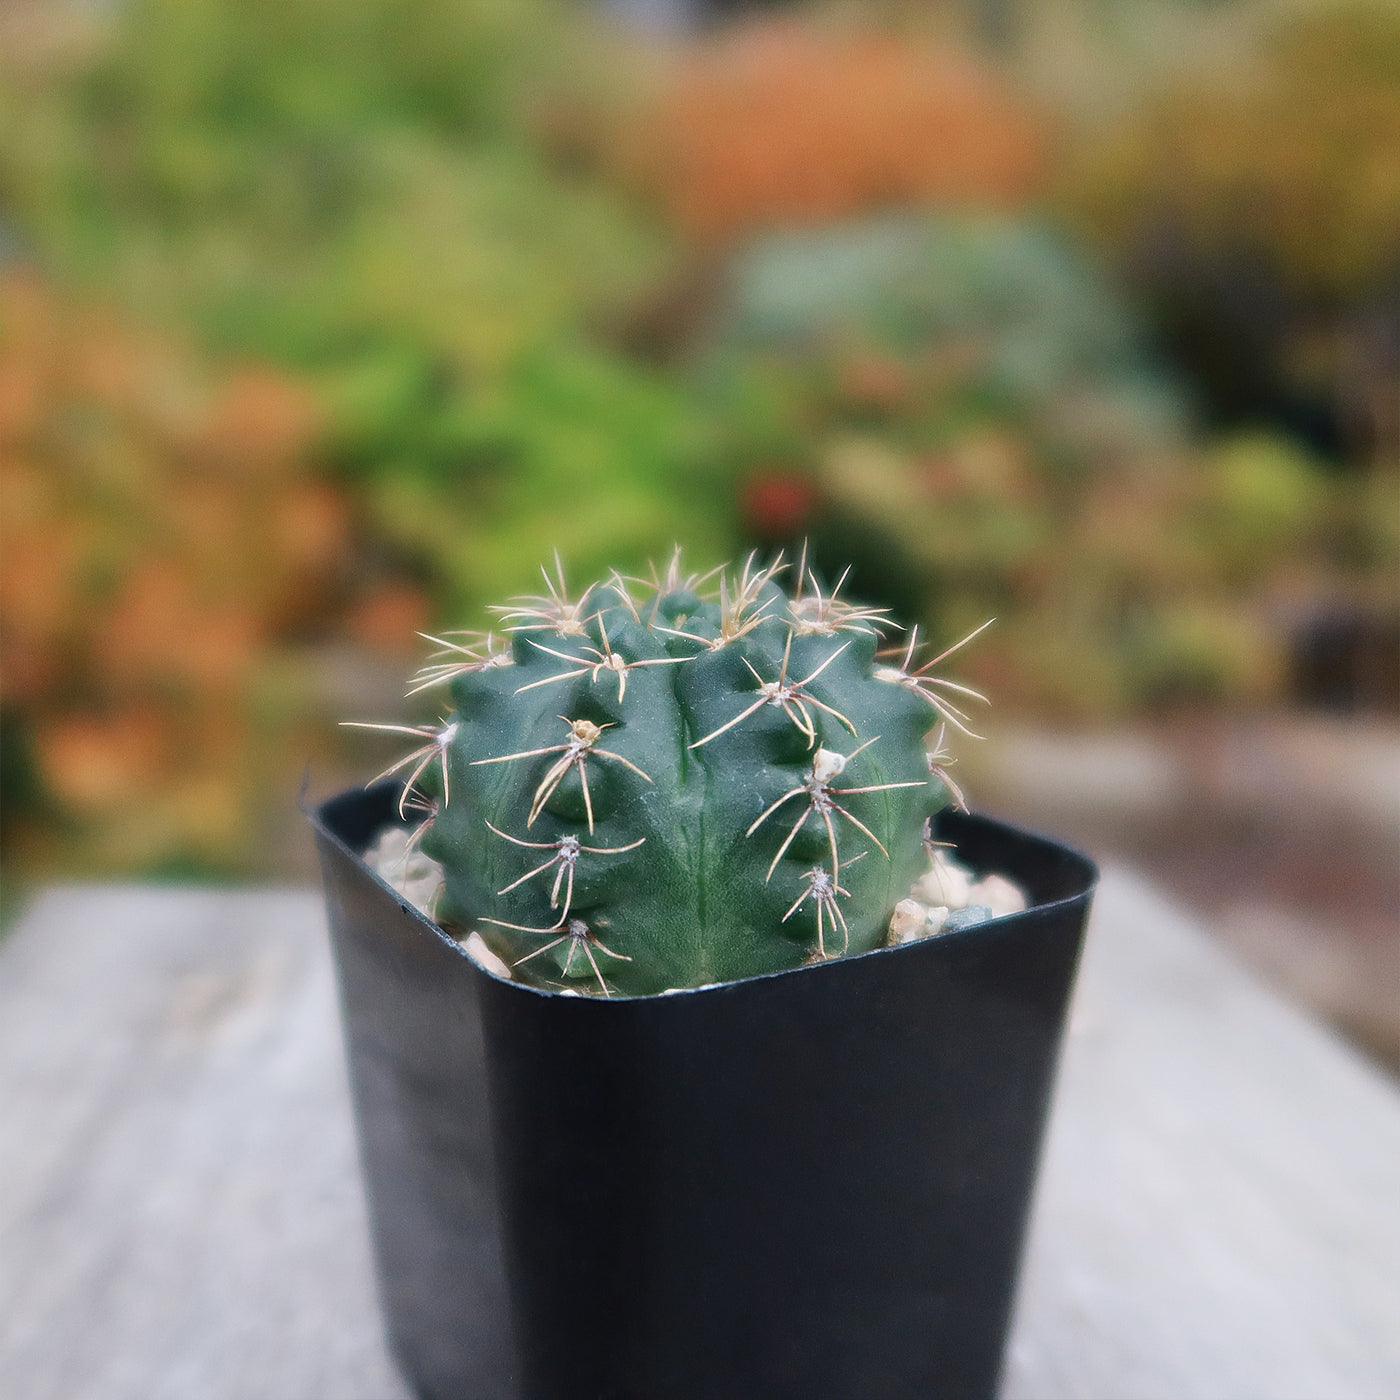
point(292, 175)
point(1132, 585)
point(390, 206)
point(376, 196)
point(984, 429)
point(570, 445)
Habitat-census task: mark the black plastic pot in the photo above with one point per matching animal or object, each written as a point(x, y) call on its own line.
point(806, 1185)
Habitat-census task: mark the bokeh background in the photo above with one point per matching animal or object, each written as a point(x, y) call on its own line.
point(322, 322)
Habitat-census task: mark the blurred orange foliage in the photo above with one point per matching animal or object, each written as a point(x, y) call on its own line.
point(162, 530)
point(783, 124)
point(390, 619)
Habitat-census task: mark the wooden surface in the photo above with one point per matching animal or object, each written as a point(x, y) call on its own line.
point(180, 1216)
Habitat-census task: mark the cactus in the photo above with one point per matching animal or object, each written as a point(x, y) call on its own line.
point(640, 788)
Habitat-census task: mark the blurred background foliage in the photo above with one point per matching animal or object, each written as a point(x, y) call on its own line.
point(1257, 212)
point(162, 535)
point(799, 123)
point(322, 322)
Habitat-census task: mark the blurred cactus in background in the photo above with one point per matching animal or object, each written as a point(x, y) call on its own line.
point(1004, 312)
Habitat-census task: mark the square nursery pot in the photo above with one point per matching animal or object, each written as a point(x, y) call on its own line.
point(802, 1186)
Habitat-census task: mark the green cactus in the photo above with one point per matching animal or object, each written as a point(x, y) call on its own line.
point(641, 793)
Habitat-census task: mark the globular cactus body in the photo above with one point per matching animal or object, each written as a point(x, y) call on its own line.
point(631, 797)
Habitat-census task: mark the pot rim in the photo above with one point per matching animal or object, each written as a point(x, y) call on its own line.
point(1083, 888)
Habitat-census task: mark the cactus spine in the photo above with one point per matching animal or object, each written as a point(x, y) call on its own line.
point(642, 788)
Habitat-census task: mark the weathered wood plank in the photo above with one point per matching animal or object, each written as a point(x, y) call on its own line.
point(180, 1214)
point(1219, 1213)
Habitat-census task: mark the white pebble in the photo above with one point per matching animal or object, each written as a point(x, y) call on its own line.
point(998, 894)
point(970, 917)
point(908, 922)
point(937, 917)
point(946, 882)
point(484, 958)
point(415, 876)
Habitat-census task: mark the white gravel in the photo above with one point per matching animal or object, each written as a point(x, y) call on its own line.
point(946, 888)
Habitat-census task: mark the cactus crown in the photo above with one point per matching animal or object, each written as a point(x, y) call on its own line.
point(681, 780)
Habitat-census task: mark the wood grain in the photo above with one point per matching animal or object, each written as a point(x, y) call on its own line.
point(180, 1213)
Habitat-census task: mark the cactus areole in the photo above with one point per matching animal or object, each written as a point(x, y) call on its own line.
point(651, 786)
